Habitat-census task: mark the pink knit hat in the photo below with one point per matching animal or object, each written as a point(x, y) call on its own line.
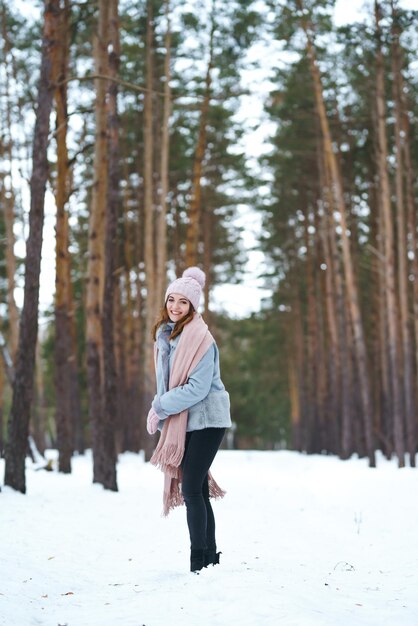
point(189, 285)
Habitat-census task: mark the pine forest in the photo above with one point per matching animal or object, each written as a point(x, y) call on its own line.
point(125, 123)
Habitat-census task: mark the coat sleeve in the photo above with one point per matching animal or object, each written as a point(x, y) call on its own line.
point(184, 396)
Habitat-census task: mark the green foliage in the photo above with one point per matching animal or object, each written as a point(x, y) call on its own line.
point(254, 370)
point(293, 164)
point(287, 25)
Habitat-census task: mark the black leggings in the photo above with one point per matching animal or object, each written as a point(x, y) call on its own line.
point(201, 448)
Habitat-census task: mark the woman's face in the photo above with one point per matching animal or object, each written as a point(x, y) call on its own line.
point(177, 307)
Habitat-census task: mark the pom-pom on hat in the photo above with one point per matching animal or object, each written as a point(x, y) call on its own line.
point(190, 285)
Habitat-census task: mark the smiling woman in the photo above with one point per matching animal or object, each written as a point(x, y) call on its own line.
point(191, 408)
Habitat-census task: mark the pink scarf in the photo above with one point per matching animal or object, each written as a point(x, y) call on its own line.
point(194, 342)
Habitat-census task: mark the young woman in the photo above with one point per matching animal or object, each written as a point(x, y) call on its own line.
point(191, 409)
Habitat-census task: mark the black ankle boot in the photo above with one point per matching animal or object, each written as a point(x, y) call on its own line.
point(212, 557)
point(197, 560)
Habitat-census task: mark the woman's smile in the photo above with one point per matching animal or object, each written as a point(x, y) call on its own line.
point(177, 307)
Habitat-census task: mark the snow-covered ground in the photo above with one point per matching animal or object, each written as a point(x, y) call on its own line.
point(306, 541)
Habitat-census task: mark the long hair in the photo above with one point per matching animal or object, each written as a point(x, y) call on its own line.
point(164, 318)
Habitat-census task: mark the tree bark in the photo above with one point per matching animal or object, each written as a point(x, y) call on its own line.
point(131, 343)
point(2, 380)
point(331, 299)
point(123, 415)
point(407, 357)
point(95, 267)
point(18, 427)
point(300, 401)
point(149, 235)
point(76, 410)
point(413, 247)
point(343, 324)
point(63, 347)
point(313, 444)
point(388, 239)
point(161, 225)
point(192, 235)
point(108, 464)
point(294, 395)
point(325, 428)
point(382, 396)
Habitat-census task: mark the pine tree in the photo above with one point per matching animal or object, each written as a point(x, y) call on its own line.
point(18, 427)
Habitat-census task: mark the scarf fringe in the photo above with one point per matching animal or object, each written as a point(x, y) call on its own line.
point(168, 459)
point(172, 496)
point(215, 491)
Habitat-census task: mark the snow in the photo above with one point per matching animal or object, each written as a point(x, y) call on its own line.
point(306, 541)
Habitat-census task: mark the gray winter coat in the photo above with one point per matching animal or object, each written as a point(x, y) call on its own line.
point(204, 394)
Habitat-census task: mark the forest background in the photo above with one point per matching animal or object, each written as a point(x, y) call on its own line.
point(127, 117)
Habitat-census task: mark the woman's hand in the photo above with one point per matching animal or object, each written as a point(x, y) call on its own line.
point(152, 421)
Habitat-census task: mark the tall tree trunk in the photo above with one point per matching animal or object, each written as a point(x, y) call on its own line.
point(412, 231)
point(325, 428)
point(294, 395)
point(313, 432)
point(301, 402)
point(149, 233)
point(330, 297)
point(192, 235)
point(139, 339)
point(387, 396)
point(18, 428)
point(382, 396)
point(407, 357)
point(95, 267)
point(388, 239)
point(122, 389)
point(350, 281)
point(75, 399)
point(110, 382)
point(76, 410)
point(2, 380)
point(161, 225)
point(131, 343)
point(343, 321)
point(333, 362)
point(138, 361)
point(63, 348)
